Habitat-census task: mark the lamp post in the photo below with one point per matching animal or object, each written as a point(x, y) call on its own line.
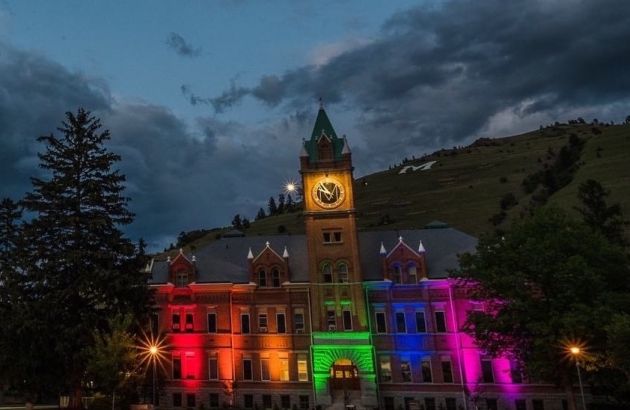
point(576, 352)
point(154, 352)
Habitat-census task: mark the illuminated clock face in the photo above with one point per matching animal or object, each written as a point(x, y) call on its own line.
point(328, 193)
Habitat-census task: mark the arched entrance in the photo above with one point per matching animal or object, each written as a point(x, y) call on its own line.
point(344, 376)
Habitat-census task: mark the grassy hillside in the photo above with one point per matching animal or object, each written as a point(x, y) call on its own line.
point(465, 186)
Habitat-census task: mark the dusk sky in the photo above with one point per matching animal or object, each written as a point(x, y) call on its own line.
point(208, 101)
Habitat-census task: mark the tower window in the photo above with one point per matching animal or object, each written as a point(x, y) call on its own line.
point(397, 274)
point(262, 279)
point(332, 237)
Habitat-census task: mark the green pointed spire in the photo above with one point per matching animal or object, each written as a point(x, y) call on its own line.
point(323, 125)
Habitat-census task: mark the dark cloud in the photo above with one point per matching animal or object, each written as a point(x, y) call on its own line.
point(439, 74)
point(180, 176)
point(181, 46)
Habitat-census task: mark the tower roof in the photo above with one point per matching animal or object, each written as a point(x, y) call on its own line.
point(323, 129)
point(323, 126)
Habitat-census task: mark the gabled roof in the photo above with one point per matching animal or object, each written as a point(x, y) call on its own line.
point(225, 260)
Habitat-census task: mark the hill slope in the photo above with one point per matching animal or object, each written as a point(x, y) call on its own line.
point(464, 187)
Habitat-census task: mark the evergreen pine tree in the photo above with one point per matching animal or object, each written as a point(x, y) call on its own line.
point(608, 220)
point(261, 214)
point(246, 223)
point(236, 222)
point(86, 271)
point(289, 205)
point(281, 207)
point(273, 209)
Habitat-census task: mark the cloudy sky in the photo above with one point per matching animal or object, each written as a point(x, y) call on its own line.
point(208, 101)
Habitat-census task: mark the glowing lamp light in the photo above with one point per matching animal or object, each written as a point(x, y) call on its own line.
point(153, 350)
point(290, 187)
point(575, 350)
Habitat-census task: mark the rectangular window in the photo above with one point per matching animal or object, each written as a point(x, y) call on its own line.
point(302, 368)
point(447, 371)
point(212, 322)
point(429, 403)
point(401, 326)
point(188, 365)
point(337, 236)
point(421, 324)
point(248, 401)
point(244, 322)
point(213, 400)
point(262, 279)
point(190, 400)
point(275, 278)
point(298, 322)
point(213, 369)
point(285, 401)
point(327, 237)
point(189, 322)
point(264, 370)
point(486, 371)
point(331, 319)
point(266, 401)
point(405, 371)
point(412, 274)
point(385, 365)
point(177, 368)
point(177, 400)
point(284, 370)
point(451, 403)
point(427, 376)
point(304, 402)
point(491, 404)
point(381, 326)
point(538, 404)
point(281, 323)
point(389, 403)
point(247, 369)
point(262, 322)
point(520, 404)
point(347, 320)
point(440, 322)
point(397, 274)
point(175, 322)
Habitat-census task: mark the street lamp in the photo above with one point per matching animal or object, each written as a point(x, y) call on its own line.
point(152, 352)
point(576, 351)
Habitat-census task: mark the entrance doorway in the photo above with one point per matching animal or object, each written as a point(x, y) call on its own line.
point(344, 376)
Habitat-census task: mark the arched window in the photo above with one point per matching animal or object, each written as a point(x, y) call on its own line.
point(327, 273)
point(275, 278)
point(342, 272)
point(412, 273)
point(262, 278)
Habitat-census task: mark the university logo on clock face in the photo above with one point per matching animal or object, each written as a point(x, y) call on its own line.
point(328, 193)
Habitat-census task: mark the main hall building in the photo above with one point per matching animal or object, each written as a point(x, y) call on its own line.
point(330, 318)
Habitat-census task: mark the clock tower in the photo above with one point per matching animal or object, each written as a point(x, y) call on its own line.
point(339, 316)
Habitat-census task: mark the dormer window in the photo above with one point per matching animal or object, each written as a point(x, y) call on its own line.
point(275, 278)
point(262, 279)
point(397, 274)
point(327, 273)
point(412, 274)
point(181, 279)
